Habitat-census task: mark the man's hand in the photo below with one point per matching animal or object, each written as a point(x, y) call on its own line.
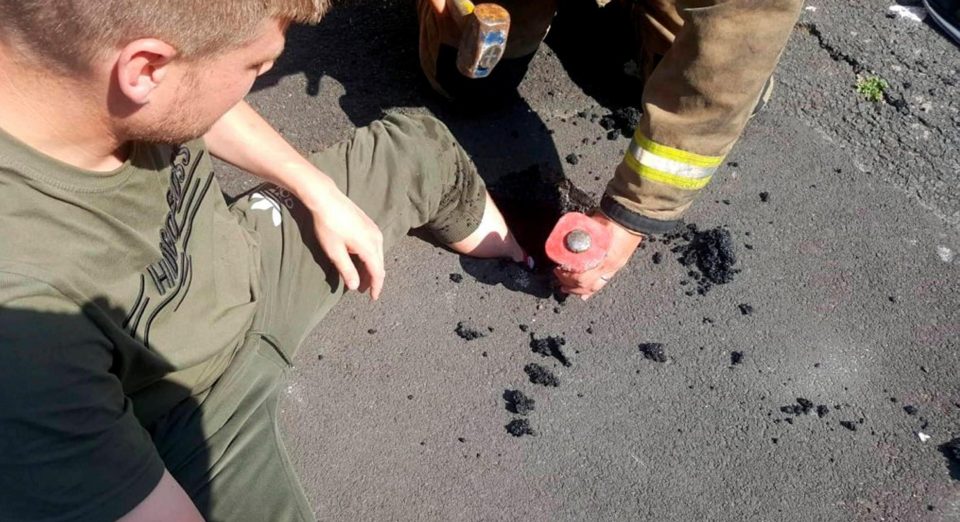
point(343, 230)
point(449, 30)
point(244, 139)
point(622, 245)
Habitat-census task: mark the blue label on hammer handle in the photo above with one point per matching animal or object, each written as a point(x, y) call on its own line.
point(495, 38)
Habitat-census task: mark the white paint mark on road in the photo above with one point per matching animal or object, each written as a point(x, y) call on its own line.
point(923, 436)
point(910, 12)
point(946, 255)
point(294, 392)
point(811, 8)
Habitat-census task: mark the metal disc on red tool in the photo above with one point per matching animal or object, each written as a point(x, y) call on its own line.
point(578, 243)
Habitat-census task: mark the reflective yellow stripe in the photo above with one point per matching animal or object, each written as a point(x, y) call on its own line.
point(662, 164)
point(677, 155)
point(665, 178)
point(670, 166)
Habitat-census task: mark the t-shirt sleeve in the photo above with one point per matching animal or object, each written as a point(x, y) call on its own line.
point(70, 445)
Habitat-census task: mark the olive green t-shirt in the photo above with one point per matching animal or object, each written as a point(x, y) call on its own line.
point(121, 294)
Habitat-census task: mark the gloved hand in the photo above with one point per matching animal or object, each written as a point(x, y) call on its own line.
point(622, 245)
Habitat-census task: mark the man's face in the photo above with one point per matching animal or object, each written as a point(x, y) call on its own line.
point(198, 92)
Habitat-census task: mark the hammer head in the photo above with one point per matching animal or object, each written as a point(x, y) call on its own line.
point(578, 243)
point(483, 40)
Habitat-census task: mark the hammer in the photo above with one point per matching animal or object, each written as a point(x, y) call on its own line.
point(484, 29)
point(577, 243)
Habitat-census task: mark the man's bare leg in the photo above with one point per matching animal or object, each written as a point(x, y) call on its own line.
point(492, 238)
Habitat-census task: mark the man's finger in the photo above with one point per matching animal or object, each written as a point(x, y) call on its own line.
point(584, 284)
point(567, 278)
point(342, 262)
point(383, 269)
point(376, 283)
point(589, 282)
point(372, 260)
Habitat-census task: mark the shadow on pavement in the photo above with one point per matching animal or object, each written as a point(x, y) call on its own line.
point(370, 48)
point(593, 44)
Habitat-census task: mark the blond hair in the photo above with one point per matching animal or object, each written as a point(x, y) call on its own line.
point(75, 33)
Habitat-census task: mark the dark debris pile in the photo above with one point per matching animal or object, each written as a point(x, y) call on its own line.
point(541, 375)
point(519, 428)
point(517, 402)
point(621, 122)
point(550, 347)
point(653, 352)
point(467, 333)
point(710, 253)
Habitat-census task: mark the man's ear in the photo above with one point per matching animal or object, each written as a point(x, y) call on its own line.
point(141, 68)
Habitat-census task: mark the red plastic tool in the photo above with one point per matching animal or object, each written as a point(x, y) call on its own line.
point(577, 243)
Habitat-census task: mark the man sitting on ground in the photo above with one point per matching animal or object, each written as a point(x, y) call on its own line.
point(144, 322)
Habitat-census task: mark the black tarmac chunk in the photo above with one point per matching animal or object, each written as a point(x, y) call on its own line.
point(850, 425)
point(467, 333)
point(519, 428)
point(802, 407)
point(517, 402)
point(654, 352)
point(550, 347)
point(621, 121)
point(710, 252)
point(541, 375)
point(736, 358)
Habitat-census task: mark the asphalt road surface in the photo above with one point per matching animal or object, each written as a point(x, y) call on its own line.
point(850, 266)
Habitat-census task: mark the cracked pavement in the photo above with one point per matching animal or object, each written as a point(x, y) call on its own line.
point(916, 131)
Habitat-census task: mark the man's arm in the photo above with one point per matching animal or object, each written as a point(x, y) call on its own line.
point(166, 502)
point(70, 445)
point(695, 106)
point(244, 139)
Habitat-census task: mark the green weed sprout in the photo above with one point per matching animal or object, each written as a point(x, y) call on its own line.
point(872, 88)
